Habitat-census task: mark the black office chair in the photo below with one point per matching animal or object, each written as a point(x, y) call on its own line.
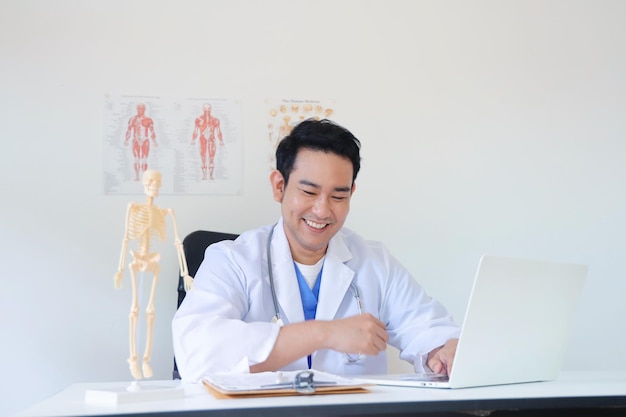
point(194, 245)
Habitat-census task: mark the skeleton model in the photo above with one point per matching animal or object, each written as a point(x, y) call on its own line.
point(145, 222)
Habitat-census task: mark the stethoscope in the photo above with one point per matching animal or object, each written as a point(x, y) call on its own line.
point(349, 358)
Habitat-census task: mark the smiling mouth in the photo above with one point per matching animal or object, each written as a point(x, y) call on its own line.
point(318, 226)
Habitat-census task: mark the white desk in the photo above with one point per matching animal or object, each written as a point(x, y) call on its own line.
point(605, 392)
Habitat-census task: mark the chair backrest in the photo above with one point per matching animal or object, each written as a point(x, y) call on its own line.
point(194, 245)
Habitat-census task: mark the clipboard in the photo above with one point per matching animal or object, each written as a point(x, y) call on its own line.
point(276, 384)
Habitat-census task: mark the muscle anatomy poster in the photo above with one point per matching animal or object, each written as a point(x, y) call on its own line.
point(195, 143)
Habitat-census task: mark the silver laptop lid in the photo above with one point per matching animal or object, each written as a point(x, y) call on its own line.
point(517, 322)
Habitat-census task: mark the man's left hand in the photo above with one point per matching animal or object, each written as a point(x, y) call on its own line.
point(440, 359)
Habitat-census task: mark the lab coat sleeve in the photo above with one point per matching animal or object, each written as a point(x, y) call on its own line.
point(416, 322)
point(212, 329)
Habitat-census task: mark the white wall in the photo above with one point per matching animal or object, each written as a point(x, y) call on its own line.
point(487, 126)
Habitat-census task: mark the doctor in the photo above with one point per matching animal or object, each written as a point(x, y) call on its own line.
point(307, 292)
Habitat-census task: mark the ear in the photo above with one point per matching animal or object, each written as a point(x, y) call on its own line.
point(278, 185)
point(353, 188)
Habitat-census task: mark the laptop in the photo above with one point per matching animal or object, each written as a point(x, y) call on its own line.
point(516, 326)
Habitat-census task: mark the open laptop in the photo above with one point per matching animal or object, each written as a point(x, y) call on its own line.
point(516, 326)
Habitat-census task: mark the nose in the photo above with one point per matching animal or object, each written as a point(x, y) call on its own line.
point(321, 208)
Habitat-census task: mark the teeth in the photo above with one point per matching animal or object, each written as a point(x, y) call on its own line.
point(315, 225)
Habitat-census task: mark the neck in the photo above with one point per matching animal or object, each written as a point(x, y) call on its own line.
point(308, 258)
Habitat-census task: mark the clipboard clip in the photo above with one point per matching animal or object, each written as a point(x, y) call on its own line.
point(303, 383)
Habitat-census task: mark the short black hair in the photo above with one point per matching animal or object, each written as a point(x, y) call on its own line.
point(318, 135)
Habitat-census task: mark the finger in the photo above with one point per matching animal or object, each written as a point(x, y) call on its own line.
point(379, 326)
point(378, 338)
point(435, 365)
point(375, 347)
point(381, 337)
point(372, 343)
point(380, 345)
point(375, 343)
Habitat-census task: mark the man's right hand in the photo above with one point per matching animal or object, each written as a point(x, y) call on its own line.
point(362, 334)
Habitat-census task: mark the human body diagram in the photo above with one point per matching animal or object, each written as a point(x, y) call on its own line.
point(208, 131)
point(285, 114)
point(146, 222)
point(141, 130)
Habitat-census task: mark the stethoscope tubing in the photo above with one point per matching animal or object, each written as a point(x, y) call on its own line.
point(276, 318)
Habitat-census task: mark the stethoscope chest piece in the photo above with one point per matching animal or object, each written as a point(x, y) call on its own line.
point(277, 320)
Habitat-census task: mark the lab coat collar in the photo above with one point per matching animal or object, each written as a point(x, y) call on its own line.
point(336, 278)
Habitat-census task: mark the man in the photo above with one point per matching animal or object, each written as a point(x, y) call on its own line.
point(307, 292)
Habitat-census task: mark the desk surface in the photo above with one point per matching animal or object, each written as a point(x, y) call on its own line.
point(603, 391)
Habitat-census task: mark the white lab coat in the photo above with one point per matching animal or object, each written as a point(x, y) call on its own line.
point(224, 323)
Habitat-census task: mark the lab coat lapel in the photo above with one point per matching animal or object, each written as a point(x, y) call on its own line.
point(336, 279)
point(285, 281)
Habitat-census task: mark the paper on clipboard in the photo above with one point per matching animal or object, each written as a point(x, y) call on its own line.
point(278, 384)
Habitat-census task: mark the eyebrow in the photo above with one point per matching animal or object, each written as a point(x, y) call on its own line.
point(317, 186)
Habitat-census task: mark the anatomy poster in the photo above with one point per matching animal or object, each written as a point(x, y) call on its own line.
point(195, 143)
point(284, 114)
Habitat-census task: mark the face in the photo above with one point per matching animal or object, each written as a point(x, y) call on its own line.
point(314, 203)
